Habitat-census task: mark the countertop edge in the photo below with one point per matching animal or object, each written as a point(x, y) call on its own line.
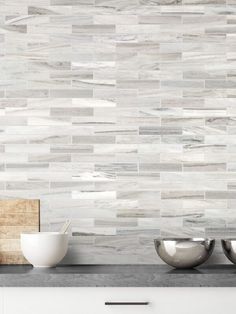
point(117, 280)
point(117, 276)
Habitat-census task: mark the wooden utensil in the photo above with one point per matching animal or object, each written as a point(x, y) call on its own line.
point(16, 216)
point(65, 227)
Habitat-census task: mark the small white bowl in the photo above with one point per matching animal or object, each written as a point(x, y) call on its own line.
point(44, 249)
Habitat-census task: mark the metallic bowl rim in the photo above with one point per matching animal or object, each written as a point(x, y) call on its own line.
point(184, 239)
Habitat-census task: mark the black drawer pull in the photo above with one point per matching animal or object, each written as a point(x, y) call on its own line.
point(126, 303)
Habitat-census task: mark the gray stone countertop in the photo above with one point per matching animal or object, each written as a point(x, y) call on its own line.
point(117, 276)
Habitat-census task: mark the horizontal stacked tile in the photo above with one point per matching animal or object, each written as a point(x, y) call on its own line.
point(121, 116)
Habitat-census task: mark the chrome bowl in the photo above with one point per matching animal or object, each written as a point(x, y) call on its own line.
point(184, 253)
point(229, 248)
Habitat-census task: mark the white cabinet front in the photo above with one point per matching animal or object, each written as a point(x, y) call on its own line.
point(118, 301)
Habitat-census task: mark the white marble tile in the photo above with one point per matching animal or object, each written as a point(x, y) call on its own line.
point(121, 116)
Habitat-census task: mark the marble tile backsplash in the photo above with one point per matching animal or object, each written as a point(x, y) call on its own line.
point(121, 115)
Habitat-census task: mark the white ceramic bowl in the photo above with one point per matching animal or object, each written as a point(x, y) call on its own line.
point(44, 249)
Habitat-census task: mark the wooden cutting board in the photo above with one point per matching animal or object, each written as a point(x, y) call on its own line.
point(16, 216)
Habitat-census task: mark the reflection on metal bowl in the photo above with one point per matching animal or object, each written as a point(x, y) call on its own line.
point(184, 252)
point(229, 248)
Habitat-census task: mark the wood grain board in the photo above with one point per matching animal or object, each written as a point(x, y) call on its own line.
point(16, 216)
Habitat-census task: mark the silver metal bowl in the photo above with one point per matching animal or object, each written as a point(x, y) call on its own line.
point(229, 248)
point(184, 252)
